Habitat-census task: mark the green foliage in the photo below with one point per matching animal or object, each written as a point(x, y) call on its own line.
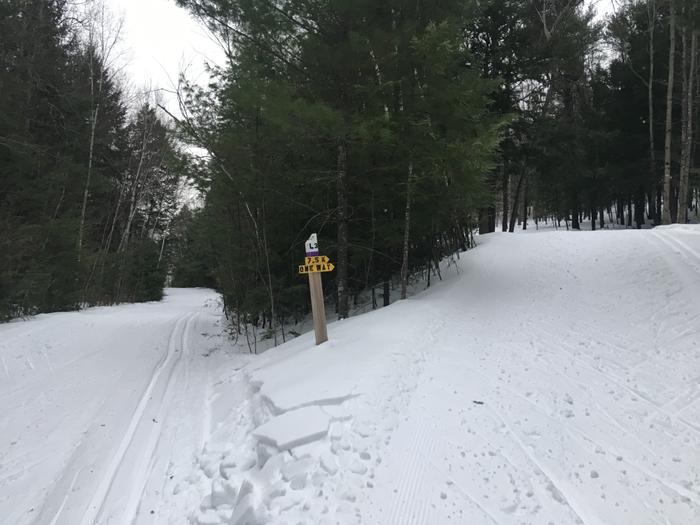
point(394, 86)
point(65, 131)
point(190, 256)
point(580, 92)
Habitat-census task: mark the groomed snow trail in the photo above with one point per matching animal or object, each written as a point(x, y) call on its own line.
point(549, 378)
point(554, 378)
point(100, 417)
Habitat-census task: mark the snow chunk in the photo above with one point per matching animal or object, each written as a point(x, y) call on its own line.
point(336, 431)
point(209, 517)
point(222, 493)
point(358, 467)
point(328, 463)
point(285, 384)
point(270, 472)
point(265, 452)
point(337, 412)
point(244, 513)
point(294, 428)
point(309, 450)
point(297, 468)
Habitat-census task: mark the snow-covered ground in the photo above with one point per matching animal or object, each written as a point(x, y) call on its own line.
point(100, 409)
point(553, 378)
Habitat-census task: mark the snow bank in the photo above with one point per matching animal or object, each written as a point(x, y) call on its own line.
point(558, 386)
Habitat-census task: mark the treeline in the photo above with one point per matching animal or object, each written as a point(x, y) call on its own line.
point(367, 122)
point(88, 186)
point(607, 125)
point(393, 128)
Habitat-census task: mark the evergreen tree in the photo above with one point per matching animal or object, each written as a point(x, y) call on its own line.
point(67, 149)
point(367, 123)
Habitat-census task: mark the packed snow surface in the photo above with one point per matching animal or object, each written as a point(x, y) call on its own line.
point(549, 378)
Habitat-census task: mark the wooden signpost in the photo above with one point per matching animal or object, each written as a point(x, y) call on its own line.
point(314, 265)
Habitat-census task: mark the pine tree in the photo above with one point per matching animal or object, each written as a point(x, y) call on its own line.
point(64, 154)
point(367, 123)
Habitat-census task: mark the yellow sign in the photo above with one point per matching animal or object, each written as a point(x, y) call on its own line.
point(316, 259)
point(316, 267)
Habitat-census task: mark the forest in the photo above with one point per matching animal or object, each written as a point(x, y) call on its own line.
point(395, 130)
point(90, 180)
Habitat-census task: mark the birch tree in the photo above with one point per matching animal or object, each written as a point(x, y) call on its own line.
point(690, 32)
point(667, 204)
point(103, 34)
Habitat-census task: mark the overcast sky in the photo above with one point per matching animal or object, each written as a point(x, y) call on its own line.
point(159, 39)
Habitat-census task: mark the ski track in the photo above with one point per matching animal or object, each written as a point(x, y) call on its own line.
point(82, 414)
point(682, 244)
point(689, 256)
point(141, 474)
point(569, 494)
point(619, 382)
point(589, 365)
point(410, 507)
point(104, 485)
point(560, 386)
point(56, 517)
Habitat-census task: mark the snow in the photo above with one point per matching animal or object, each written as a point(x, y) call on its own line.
point(102, 411)
point(552, 377)
point(294, 428)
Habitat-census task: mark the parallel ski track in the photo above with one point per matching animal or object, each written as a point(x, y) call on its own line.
point(167, 363)
point(148, 458)
point(691, 257)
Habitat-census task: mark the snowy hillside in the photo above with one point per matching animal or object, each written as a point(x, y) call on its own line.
point(554, 378)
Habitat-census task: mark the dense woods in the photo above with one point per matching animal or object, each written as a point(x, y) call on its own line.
point(395, 130)
point(88, 184)
point(364, 122)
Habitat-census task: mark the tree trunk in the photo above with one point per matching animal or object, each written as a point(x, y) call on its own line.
point(639, 208)
point(269, 272)
point(373, 236)
point(575, 222)
point(342, 214)
point(124, 242)
point(629, 211)
point(406, 232)
point(676, 216)
point(516, 198)
point(669, 114)
point(651, 17)
point(487, 220)
point(86, 190)
point(525, 204)
point(620, 212)
point(506, 179)
point(687, 125)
